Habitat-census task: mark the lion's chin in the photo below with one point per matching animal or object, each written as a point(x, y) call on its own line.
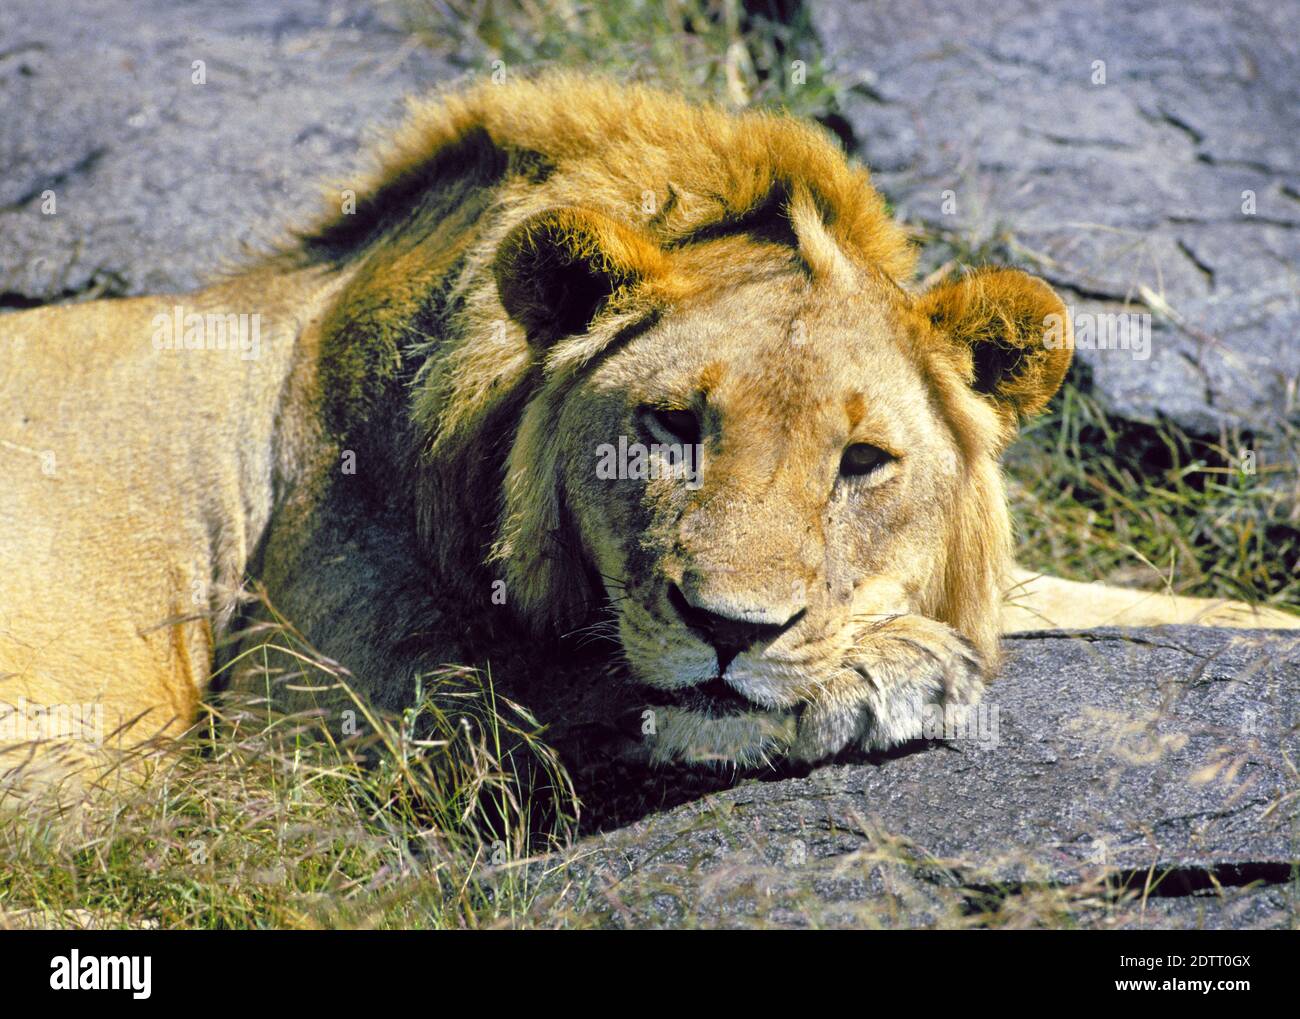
point(743, 737)
point(701, 718)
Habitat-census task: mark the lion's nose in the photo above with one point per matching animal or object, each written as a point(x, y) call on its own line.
point(728, 631)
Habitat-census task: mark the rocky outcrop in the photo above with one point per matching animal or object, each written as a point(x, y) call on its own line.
point(1111, 778)
point(1143, 158)
point(171, 136)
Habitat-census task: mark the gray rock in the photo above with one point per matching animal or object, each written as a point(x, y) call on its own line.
point(1106, 189)
point(158, 181)
point(1101, 764)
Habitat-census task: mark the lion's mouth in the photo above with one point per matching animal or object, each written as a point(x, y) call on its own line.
point(715, 697)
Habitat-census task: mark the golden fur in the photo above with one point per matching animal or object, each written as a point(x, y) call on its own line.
point(534, 271)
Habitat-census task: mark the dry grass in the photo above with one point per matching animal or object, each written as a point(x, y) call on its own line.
point(1096, 498)
point(261, 819)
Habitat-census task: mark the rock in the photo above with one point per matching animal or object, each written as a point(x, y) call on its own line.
point(1100, 764)
point(159, 181)
point(1135, 190)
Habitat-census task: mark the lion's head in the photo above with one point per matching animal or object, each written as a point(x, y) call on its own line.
point(730, 428)
point(765, 455)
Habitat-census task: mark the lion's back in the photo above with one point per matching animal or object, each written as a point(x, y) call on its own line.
point(123, 462)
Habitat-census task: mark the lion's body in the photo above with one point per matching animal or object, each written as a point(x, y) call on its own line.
point(140, 485)
point(413, 429)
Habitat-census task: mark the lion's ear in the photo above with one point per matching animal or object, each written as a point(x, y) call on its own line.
point(557, 269)
point(1017, 332)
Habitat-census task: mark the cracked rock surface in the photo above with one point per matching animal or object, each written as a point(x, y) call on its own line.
point(1130, 195)
point(159, 181)
point(1143, 777)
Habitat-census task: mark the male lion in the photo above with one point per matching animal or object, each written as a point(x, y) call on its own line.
point(411, 414)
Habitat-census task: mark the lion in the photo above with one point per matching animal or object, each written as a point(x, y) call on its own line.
point(578, 354)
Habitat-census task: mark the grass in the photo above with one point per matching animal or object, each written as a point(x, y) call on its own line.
point(743, 54)
point(261, 819)
point(269, 820)
point(1151, 506)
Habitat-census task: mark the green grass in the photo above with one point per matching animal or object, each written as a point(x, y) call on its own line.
point(1150, 506)
point(707, 49)
point(266, 820)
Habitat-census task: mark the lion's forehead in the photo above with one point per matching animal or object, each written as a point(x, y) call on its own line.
point(785, 364)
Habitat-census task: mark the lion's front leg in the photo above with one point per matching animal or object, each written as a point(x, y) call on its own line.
point(894, 671)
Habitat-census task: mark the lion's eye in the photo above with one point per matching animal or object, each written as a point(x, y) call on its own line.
point(673, 425)
point(863, 458)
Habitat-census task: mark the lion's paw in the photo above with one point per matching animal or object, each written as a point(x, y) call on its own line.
point(897, 673)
